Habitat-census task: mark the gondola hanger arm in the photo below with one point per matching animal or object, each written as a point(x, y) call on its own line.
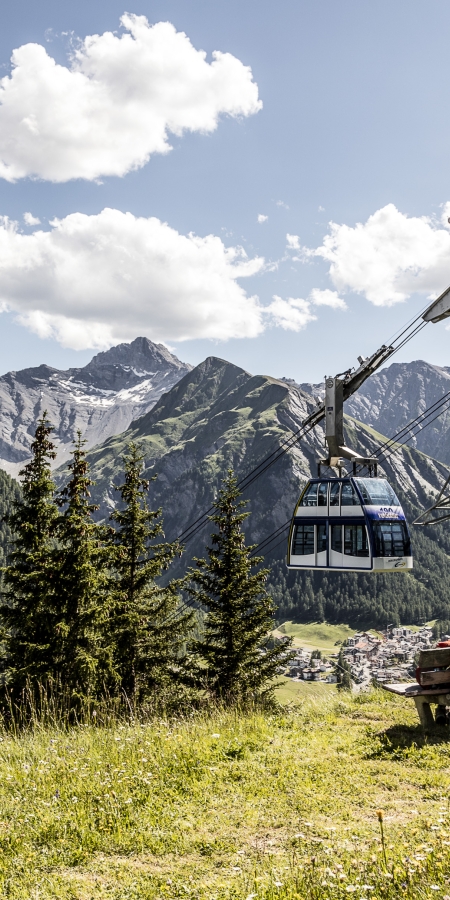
point(439, 309)
point(352, 380)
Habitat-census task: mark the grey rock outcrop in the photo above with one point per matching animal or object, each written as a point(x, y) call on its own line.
point(394, 396)
point(100, 399)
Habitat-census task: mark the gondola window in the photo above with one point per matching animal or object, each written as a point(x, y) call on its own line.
point(391, 539)
point(377, 492)
point(310, 497)
point(334, 493)
point(349, 497)
point(355, 540)
point(303, 542)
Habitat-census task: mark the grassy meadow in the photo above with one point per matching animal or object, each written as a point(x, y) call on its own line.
point(226, 805)
point(316, 635)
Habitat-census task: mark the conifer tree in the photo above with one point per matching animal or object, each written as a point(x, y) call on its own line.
point(235, 650)
point(84, 652)
point(148, 631)
point(27, 611)
point(343, 673)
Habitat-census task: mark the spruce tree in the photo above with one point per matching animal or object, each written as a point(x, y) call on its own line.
point(238, 658)
point(343, 673)
point(27, 611)
point(148, 631)
point(84, 652)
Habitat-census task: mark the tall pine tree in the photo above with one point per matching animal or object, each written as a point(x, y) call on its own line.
point(84, 647)
point(27, 611)
point(148, 631)
point(239, 659)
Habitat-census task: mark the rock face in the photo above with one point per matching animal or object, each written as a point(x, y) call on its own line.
point(100, 399)
point(394, 396)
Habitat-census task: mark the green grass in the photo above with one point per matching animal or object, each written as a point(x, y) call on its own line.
point(317, 635)
point(290, 691)
point(228, 806)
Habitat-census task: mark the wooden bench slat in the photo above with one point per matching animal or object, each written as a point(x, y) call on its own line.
point(414, 690)
point(438, 656)
point(427, 678)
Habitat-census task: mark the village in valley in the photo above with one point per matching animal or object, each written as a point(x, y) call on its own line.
point(373, 658)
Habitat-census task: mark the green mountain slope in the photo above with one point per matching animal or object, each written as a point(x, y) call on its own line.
point(218, 415)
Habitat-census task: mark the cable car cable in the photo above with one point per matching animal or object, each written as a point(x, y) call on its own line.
point(420, 422)
point(396, 335)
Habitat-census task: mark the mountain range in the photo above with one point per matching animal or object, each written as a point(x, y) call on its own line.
point(195, 423)
point(220, 416)
point(100, 399)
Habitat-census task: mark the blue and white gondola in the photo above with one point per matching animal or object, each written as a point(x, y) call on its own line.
point(349, 525)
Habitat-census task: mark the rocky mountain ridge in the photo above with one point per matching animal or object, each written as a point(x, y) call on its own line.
point(100, 399)
point(392, 397)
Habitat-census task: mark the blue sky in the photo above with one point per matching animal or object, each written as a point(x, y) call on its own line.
point(354, 121)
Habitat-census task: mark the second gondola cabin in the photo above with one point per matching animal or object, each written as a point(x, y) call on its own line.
point(349, 525)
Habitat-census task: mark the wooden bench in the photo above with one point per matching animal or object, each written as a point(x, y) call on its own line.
point(434, 687)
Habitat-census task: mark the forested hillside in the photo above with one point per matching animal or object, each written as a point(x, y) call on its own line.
point(9, 491)
point(218, 415)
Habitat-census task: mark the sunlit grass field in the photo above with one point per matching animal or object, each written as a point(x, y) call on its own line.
point(230, 805)
point(317, 635)
point(290, 691)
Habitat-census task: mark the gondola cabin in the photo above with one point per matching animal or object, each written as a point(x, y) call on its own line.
point(349, 525)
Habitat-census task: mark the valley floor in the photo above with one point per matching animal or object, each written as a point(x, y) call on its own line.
point(230, 806)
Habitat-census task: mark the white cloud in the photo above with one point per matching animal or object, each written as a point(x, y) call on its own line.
point(262, 218)
point(293, 241)
point(291, 314)
point(115, 104)
point(29, 219)
point(390, 256)
point(92, 281)
point(327, 298)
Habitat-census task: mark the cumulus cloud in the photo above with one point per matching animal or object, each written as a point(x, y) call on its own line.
point(262, 218)
point(116, 102)
point(390, 256)
point(291, 314)
point(293, 241)
point(29, 219)
point(327, 298)
point(92, 281)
